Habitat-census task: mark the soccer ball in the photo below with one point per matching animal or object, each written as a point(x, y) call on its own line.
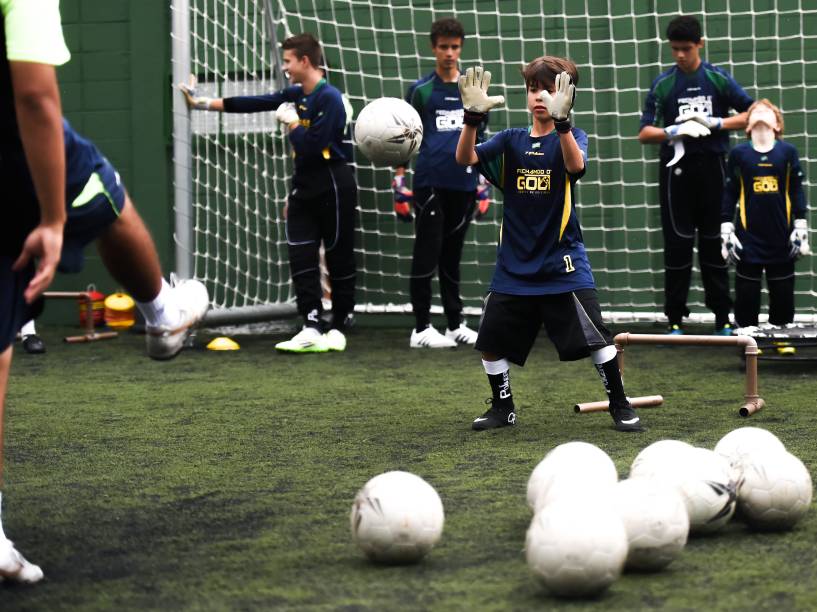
point(575, 548)
point(776, 491)
point(657, 452)
point(389, 131)
point(747, 441)
point(570, 466)
point(397, 517)
point(706, 481)
point(655, 519)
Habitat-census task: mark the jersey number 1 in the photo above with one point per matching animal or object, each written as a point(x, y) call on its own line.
point(568, 264)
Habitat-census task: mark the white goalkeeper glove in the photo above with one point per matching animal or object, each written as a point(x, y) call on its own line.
point(474, 93)
point(690, 128)
point(711, 123)
point(799, 239)
point(286, 114)
point(560, 103)
point(194, 101)
point(730, 245)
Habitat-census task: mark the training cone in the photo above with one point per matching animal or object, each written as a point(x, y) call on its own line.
point(223, 343)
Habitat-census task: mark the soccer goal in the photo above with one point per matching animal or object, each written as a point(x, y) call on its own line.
point(232, 170)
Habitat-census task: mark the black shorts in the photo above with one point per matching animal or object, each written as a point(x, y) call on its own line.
point(14, 311)
point(573, 323)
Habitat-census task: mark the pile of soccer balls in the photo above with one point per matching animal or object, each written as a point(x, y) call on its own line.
point(588, 526)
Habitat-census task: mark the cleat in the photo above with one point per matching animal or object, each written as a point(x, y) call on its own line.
point(726, 330)
point(308, 340)
point(166, 341)
point(462, 335)
point(33, 344)
point(335, 340)
point(13, 566)
point(430, 338)
point(675, 330)
point(494, 417)
point(625, 418)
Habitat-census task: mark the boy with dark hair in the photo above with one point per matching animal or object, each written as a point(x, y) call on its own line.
point(321, 207)
point(444, 194)
point(542, 274)
point(765, 177)
point(687, 112)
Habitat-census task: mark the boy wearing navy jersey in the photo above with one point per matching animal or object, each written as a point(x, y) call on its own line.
point(764, 181)
point(321, 206)
point(542, 274)
point(444, 194)
point(687, 112)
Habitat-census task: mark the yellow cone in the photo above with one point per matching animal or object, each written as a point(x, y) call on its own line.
point(223, 343)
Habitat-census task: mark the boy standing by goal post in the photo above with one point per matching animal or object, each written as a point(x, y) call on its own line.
point(542, 274)
point(322, 204)
point(444, 194)
point(692, 101)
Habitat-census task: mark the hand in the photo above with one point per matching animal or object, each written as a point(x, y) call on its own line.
point(561, 102)
point(402, 198)
point(474, 93)
point(194, 101)
point(483, 198)
point(45, 243)
point(690, 128)
point(286, 114)
point(799, 239)
point(730, 245)
point(712, 123)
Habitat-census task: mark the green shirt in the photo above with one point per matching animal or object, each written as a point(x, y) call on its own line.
point(34, 32)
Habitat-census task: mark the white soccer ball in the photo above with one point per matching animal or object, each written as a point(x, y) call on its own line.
point(747, 441)
point(389, 131)
point(567, 467)
point(776, 490)
point(655, 519)
point(397, 517)
point(706, 480)
point(576, 549)
point(664, 450)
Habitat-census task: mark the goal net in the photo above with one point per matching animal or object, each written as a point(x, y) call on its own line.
point(232, 170)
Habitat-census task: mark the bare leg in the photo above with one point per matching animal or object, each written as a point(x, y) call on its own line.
point(129, 254)
point(5, 366)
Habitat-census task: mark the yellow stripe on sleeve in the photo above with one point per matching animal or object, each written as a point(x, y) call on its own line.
point(742, 203)
point(565, 207)
point(788, 197)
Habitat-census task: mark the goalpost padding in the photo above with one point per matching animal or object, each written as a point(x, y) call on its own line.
point(239, 164)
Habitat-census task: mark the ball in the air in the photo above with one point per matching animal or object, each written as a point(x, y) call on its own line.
point(388, 131)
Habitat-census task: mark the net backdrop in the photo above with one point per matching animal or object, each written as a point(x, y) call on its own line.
point(240, 164)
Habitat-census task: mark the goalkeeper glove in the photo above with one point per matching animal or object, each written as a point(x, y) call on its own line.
point(286, 114)
point(560, 103)
point(474, 93)
point(711, 123)
point(799, 239)
point(483, 198)
point(402, 198)
point(194, 101)
point(690, 128)
point(730, 245)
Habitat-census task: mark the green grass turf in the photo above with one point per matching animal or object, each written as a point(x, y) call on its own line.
point(223, 481)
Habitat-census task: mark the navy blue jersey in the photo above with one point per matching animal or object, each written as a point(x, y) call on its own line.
point(709, 90)
point(767, 189)
point(440, 108)
point(324, 137)
point(540, 248)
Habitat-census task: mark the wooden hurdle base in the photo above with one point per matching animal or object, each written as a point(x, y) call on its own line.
point(90, 335)
point(648, 401)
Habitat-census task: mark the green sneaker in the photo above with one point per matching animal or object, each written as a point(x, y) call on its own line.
point(308, 340)
point(726, 330)
point(675, 330)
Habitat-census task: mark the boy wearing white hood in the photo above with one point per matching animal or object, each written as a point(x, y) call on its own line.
point(764, 181)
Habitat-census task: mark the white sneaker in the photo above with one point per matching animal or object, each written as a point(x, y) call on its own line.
point(430, 338)
point(462, 335)
point(14, 566)
point(308, 340)
point(335, 340)
point(165, 341)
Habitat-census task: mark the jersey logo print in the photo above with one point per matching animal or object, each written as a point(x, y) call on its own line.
point(449, 120)
point(765, 184)
point(533, 181)
point(695, 104)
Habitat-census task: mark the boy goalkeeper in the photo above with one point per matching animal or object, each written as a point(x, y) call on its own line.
point(764, 176)
point(542, 274)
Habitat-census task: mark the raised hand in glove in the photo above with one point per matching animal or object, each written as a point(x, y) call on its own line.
point(560, 102)
point(474, 93)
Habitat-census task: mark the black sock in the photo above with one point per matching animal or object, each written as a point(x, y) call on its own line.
point(501, 389)
point(611, 378)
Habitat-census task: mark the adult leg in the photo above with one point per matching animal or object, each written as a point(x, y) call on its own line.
point(780, 281)
point(679, 238)
point(747, 293)
point(458, 209)
point(428, 240)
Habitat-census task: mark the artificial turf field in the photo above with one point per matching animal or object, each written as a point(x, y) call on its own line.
point(223, 481)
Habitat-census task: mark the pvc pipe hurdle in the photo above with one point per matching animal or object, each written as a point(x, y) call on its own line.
point(753, 402)
point(90, 335)
point(648, 401)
